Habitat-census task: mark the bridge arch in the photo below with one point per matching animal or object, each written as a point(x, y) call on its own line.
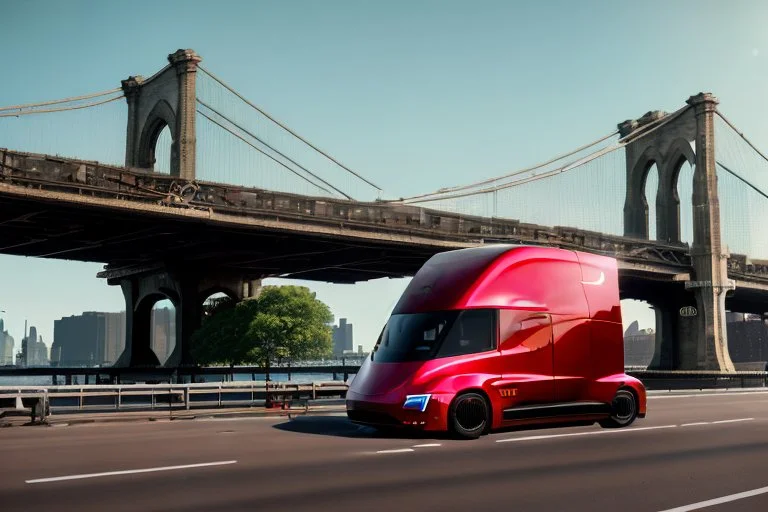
point(160, 117)
point(155, 323)
point(636, 209)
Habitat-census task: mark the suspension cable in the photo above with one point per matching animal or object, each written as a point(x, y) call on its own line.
point(284, 127)
point(272, 148)
point(740, 134)
point(572, 165)
point(743, 180)
point(62, 109)
point(261, 151)
point(55, 102)
point(515, 173)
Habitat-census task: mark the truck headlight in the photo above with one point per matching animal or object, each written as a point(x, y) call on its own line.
point(416, 402)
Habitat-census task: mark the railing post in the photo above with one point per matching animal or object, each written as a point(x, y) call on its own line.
point(119, 398)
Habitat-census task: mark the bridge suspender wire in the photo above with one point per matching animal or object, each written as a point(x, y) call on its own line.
point(61, 109)
point(56, 102)
point(284, 127)
point(740, 134)
point(271, 148)
point(572, 165)
point(261, 151)
point(515, 173)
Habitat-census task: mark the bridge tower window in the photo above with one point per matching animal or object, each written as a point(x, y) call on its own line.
point(684, 189)
point(651, 191)
point(162, 151)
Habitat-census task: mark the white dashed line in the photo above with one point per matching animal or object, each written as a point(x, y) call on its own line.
point(733, 421)
point(401, 450)
point(591, 433)
point(128, 472)
point(429, 445)
point(719, 501)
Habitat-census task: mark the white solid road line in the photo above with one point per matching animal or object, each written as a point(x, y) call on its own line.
point(590, 433)
point(401, 450)
point(732, 421)
point(129, 472)
point(695, 424)
point(722, 393)
point(428, 445)
point(719, 501)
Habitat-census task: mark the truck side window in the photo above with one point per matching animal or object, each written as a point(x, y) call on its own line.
point(472, 332)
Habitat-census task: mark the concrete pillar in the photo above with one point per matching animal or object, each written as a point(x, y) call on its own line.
point(132, 91)
point(185, 62)
point(708, 255)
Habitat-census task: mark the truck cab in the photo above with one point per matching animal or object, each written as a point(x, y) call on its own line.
point(497, 336)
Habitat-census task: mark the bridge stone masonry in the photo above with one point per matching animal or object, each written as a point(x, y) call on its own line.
point(177, 237)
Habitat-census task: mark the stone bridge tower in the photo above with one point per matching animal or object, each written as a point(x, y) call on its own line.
point(166, 99)
point(699, 342)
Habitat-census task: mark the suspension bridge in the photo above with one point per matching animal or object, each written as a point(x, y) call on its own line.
point(208, 192)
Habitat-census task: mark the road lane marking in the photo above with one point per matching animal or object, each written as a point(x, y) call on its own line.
point(694, 424)
point(719, 501)
point(400, 450)
point(591, 433)
point(722, 393)
point(129, 472)
point(428, 445)
point(733, 421)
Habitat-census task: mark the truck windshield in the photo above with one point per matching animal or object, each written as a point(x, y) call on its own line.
point(423, 336)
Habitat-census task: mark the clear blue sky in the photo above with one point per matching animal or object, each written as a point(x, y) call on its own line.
point(414, 94)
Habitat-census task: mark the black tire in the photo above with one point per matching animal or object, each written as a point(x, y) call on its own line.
point(470, 416)
point(623, 410)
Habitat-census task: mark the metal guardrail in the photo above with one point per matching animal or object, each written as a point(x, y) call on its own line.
point(682, 379)
point(166, 396)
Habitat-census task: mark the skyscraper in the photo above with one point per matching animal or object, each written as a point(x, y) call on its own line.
point(33, 350)
point(342, 337)
point(6, 346)
point(90, 339)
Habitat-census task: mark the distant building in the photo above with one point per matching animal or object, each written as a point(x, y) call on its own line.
point(90, 339)
point(163, 332)
point(747, 338)
point(33, 350)
point(342, 337)
point(6, 346)
point(639, 345)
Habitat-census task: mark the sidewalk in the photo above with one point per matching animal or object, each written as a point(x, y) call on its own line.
point(79, 418)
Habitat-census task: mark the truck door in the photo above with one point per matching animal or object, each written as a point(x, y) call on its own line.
point(525, 343)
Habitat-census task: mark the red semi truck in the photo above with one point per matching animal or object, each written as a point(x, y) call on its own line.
point(498, 336)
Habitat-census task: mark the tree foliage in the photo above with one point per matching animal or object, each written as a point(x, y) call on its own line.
point(282, 322)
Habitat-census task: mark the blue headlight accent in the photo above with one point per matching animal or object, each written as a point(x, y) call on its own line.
point(417, 402)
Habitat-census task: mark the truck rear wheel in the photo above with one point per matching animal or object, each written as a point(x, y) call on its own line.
point(469, 416)
point(623, 410)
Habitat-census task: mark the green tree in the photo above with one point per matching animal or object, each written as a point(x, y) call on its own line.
point(282, 322)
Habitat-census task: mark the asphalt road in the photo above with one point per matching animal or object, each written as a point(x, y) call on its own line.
point(688, 450)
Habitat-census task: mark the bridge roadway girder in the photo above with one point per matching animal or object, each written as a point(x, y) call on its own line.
point(143, 224)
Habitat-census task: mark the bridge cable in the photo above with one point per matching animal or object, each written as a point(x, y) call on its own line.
point(571, 165)
point(262, 152)
point(740, 134)
point(284, 127)
point(515, 173)
point(273, 149)
point(636, 134)
point(743, 180)
point(62, 109)
point(55, 102)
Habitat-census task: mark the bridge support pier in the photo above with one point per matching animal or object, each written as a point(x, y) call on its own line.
point(187, 290)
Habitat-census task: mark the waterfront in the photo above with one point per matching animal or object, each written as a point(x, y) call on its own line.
point(299, 378)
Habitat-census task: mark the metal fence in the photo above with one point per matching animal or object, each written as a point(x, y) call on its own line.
point(162, 396)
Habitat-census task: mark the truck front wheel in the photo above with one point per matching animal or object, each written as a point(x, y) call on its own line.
point(623, 410)
point(470, 415)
